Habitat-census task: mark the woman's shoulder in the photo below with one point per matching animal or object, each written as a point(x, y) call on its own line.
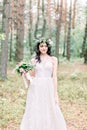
point(54, 59)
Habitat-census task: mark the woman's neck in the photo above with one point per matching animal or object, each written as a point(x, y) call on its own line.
point(43, 55)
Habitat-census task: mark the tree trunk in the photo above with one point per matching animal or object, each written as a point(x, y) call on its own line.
point(19, 54)
point(4, 43)
point(30, 26)
point(69, 32)
point(84, 40)
point(85, 56)
point(44, 19)
point(36, 35)
point(84, 47)
point(37, 22)
point(58, 27)
point(49, 18)
point(11, 39)
point(11, 27)
point(65, 28)
point(74, 14)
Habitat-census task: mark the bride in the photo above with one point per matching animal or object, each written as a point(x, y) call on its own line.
point(42, 111)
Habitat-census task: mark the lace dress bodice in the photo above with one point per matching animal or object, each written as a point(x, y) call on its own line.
point(44, 69)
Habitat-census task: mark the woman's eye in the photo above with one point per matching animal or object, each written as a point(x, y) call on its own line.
point(41, 46)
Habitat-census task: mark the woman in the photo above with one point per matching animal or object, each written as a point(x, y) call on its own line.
point(42, 110)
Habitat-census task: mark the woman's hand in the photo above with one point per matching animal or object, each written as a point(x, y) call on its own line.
point(22, 70)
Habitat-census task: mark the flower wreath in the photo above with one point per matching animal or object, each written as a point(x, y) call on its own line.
point(50, 42)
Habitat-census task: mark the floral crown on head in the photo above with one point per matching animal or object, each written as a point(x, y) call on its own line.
point(50, 42)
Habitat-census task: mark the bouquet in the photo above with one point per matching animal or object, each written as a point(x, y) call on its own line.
point(25, 66)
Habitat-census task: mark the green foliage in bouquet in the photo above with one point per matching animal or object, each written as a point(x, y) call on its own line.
point(25, 66)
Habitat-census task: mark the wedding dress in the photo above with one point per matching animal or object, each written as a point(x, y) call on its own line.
point(41, 111)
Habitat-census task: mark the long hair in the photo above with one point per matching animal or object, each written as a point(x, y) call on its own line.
point(37, 57)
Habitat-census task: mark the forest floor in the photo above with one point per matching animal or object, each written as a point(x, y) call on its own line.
point(72, 89)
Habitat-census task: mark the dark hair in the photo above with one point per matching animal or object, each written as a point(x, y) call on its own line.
point(38, 51)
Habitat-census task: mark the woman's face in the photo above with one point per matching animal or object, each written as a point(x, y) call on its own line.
point(43, 48)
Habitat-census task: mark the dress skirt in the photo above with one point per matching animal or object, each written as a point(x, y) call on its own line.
point(41, 111)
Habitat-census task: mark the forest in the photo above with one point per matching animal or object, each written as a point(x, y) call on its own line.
point(22, 24)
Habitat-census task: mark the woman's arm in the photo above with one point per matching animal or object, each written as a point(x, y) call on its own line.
point(55, 70)
point(27, 76)
point(25, 80)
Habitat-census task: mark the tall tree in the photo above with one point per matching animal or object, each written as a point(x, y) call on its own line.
point(84, 39)
point(69, 31)
point(37, 21)
point(19, 54)
point(11, 28)
point(85, 35)
point(4, 43)
point(74, 14)
point(84, 46)
point(44, 18)
point(49, 18)
point(65, 28)
point(30, 26)
point(58, 25)
point(37, 25)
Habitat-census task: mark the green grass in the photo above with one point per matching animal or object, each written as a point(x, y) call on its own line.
point(72, 89)
point(12, 94)
point(73, 86)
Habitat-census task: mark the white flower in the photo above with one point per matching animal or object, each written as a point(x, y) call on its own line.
point(50, 41)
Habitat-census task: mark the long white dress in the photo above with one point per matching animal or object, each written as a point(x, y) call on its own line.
point(41, 111)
